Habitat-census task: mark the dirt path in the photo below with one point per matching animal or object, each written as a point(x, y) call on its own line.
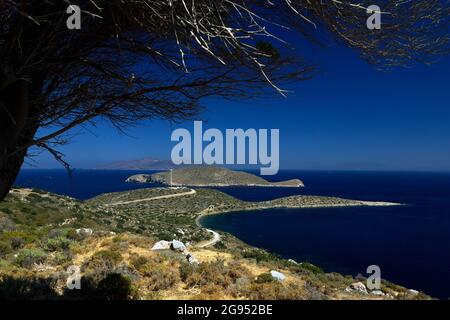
point(175, 195)
point(213, 241)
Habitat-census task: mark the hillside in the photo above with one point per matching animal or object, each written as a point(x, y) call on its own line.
point(40, 238)
point(209, 176)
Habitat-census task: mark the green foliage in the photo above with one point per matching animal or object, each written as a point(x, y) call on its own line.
point(138, 262)
point(118, 238)
point(5, 223)
point(56, 244)
point(164, 235)
point(26, 258)
point(103, 261)
point(259, 255)
point(217, 273)
point(62, 259)
point(310, 267)
point(72, 234)
point(186, 270)
point(264, 278)
point(160, 275)
point(220, 245)
point(5, 248)
point(27, 236)
point(274, 291)
point(17, 242)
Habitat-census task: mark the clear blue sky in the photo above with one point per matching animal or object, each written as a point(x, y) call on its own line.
point(349, 117)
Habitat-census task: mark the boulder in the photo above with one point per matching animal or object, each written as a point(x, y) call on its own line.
point(377, 293)
point(178, 246)
point(191, 259)
point(161, 245)
point(277, 275)
point(84, 232)
point(358, 287)
point(413, 292)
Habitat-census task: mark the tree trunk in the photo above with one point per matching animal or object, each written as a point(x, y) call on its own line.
point(17, 129)
point(9, 169)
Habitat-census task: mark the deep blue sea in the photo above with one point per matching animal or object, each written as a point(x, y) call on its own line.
point(410, 243)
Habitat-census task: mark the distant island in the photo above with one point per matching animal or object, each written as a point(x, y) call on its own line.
point(209, 176)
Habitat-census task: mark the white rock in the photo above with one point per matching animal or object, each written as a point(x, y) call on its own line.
point(277, 275)
point(412, 291)
point(67, 221)
point(377, 293)
point(161, 245)
point(85, 232)
point(178, 245)
point(358, 287)
point(191, 259)
point(293, 261)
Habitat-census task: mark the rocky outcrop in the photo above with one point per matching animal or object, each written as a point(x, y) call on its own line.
point(277, 275)
point(357, 287)
point(177, 246)
point(161, 245)
point(191, 259)
point(84, 232)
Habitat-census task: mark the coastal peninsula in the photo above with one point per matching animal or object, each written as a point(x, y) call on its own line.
point(150, 241)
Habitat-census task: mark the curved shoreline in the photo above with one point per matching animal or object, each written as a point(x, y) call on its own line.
point(358, 203)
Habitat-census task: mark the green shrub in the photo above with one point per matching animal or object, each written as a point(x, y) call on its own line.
point(138, 262)
point(72, 234)
point(160, 276)
point(26, 258)
point(259, 255)
point(3, 264)
point(5, 248)
point(118, 238)
point(310, 267)
point(220, 245)
point(115, 287)
point(264, 278)
point(274, 291)
point(17, 242)
point(103, 262)
point(27, 236)
point(61, 259)
point(217, 273)
point(58, 243)
point(5, 223)
point(186, 270)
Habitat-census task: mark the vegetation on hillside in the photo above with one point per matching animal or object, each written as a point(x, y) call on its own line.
point(39, 242)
